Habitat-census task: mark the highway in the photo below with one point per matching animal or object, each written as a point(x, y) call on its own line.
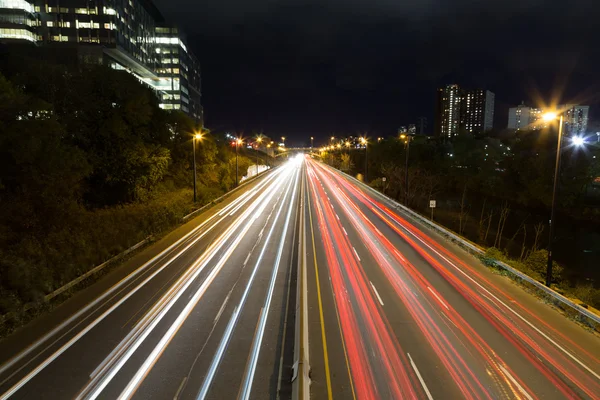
point(399, 312)
point(205, 318)
point(394, 311)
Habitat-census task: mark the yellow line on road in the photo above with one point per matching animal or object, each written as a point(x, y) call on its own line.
point(323, 336)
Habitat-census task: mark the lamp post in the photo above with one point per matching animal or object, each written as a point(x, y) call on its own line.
point(197, 136)
point(311, 142)
point(237, 143)
point(408, 139)
point(259, 140)
point(363, 140)
point(551, 117)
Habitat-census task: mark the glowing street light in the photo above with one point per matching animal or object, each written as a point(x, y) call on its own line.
point(578, 141)
point(551, 116)
point(311, 142)
point(238, 142)
point(363, 141)
point(407, 139)
point(197, 136)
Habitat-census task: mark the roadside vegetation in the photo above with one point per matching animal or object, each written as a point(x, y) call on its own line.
point(496, 191)
point(89, 166)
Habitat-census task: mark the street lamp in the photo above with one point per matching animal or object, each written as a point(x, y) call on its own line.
point(408, 139)
point(283, 140)
point(197, 136)
point(363, 141)
point(237, 143)
point(311, 142)
point(259, 140)
point(551, 117)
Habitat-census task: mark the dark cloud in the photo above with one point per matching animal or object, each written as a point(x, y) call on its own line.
point(297, 66)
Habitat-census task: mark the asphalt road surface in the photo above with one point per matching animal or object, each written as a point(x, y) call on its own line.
point(394, 311)
point(207, 317)
point(398, 312)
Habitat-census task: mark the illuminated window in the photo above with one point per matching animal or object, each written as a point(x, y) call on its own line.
point(109, 11)
point(37, 8)
point(81, 11)
point(64, 10)
point(17, 34)
point(96, 25)
point(50, 24)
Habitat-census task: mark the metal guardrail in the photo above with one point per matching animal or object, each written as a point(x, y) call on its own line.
point(585, 316)
point(301, 367)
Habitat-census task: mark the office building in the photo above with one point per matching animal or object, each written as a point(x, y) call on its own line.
point(477, 111)
point(523, 117)
point(575, 118)
point(129, 35)
point(447, 111)
point(457, 110)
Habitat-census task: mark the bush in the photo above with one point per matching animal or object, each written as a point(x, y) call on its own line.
point(538, 262)
point(587, 293)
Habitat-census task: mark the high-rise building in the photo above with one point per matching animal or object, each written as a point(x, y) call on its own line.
point(130, 35)
point(523, 117)
point(458, 110)
point(575, 118)
point(477, 111)
point(447, 113)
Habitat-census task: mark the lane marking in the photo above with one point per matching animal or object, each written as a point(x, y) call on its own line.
point(134, 339)
point(346, 233)
point(376, 293)
point(412, 363)
point(356, 253)
point(181, 385)
point(437, 297)
point(321, 318)
point(93, 304)
point(514, 381)
point(262, 320)
point(561, 348)
point(234, 318)
point(222, 308)
point(337, 314)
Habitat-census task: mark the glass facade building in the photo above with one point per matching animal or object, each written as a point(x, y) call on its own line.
point(130, 35)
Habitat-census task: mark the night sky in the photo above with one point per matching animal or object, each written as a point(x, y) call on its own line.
point(300, 68)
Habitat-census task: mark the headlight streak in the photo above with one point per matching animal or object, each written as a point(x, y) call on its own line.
point(505, 326)
point(385, 350)
point(249, 375)
point(234, 318)
point(94, 304)
point(155, 315)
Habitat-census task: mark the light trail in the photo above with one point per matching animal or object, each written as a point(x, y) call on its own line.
point(234, 318)
point(526, 334)
point(147, 324)
point(106, 297)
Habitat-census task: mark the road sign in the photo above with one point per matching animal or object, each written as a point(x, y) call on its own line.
point(431, 203)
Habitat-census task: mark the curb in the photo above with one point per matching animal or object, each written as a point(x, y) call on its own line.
point(581, 314)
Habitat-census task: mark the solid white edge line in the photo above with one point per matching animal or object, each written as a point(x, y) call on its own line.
point(412, 363)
